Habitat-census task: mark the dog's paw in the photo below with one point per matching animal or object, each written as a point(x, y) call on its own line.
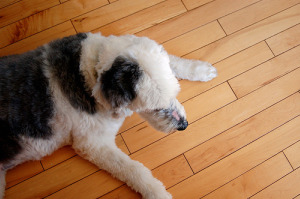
point(203, 71)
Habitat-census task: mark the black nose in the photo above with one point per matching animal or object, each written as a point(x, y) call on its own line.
point(182, 125)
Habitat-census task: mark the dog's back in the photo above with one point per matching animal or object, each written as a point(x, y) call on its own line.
point(22, 86)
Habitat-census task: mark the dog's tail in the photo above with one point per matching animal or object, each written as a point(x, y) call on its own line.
point(2, 181)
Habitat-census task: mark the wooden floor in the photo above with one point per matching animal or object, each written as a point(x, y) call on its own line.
point(243, 138)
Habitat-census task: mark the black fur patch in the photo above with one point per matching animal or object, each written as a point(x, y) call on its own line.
point(25, 100)
point(9, 146)
point(64, 59)
point(119, 82)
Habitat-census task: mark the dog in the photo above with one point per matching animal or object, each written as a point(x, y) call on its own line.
point(78, 90)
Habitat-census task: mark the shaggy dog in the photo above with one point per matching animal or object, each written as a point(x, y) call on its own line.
point(78, 90)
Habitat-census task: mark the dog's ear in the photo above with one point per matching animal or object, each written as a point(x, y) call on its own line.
point(118, 84)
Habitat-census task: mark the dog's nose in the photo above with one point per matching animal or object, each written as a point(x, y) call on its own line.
point(182, 125)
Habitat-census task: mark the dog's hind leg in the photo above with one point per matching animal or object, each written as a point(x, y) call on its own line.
point(110, 158)
point(2, 182)
point(193, 70)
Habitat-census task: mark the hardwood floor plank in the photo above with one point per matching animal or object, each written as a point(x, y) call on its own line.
point(191, 4)
point(238, 163)
point(227, 69)
point(122, 192)
point(292, 153)
point(52, 179)
point(91, 186)
point(46, 19)
point(195, 39)
point(110, 13)
point(297, 197)
point(266, 72)
point(219, 121)
point(22, 9)
point(130, 122)
point(285, 40)
point(287, 187)
point(58, 156)
point(249, 36)
point(143, 134)
point(30, 43)
point(173, 171)
point(187, 22)
point(144, 18)
point(254, 180)
point(121, 144)
point(23, 172)
point(4, 3)
point(254, 13)
point(244, 133)
point(101, 182)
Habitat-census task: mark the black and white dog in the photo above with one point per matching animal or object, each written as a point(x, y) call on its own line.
point(78, 90)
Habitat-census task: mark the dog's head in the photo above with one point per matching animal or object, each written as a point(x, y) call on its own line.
point(134, 73)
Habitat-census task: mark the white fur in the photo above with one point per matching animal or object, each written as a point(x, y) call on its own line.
point(193, 70)
point(93, 136)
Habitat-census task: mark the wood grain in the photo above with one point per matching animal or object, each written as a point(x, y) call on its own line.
point(58, 156)
point(193, 19)
point(254, 180)
point(46, 19)
point(30, 43)
point(22, 9)
point(52, 179)
point(287, 187)
point(89, 187)
point(285, 40)
point(130, 122)
point(110, 13)
point(23, 172)
point(254, 13)
point(191, 41)
point(238, 163)
point(4, 3)
point(244, 133)
point(190, 4)
point(265, 73)
point(248, 36)
point(292, 153)
point(143, 19)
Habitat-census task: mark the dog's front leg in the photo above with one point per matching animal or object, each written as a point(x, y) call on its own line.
point(193, 70)
point(106, 155)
